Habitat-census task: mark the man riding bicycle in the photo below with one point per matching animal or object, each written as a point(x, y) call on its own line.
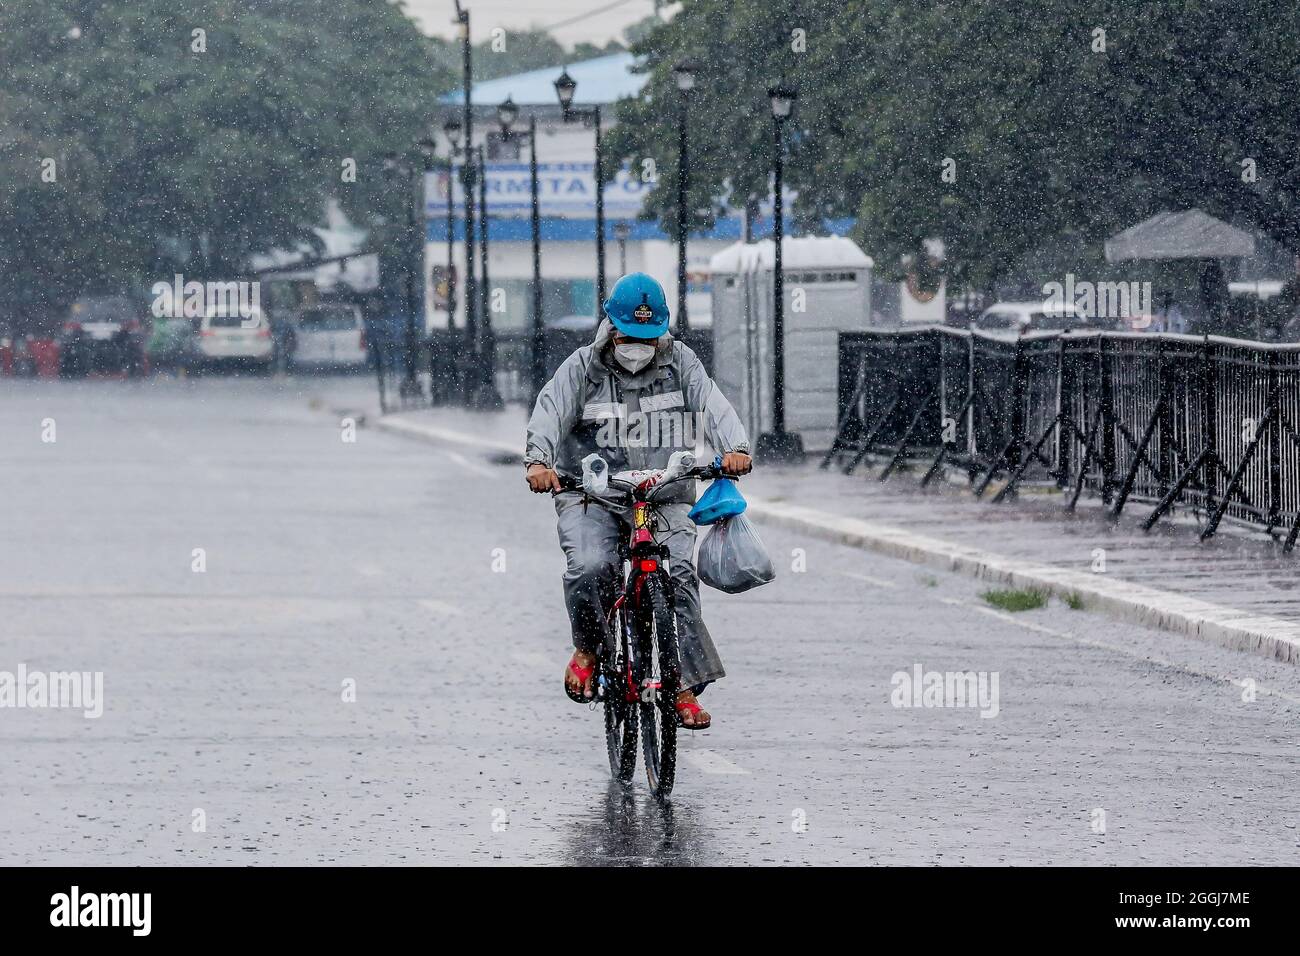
point(634, 396)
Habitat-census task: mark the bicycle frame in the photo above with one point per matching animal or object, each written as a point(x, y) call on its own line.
point(644, 557)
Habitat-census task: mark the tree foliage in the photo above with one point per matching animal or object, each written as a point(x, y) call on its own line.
point(1059, 117)
point(186, 151)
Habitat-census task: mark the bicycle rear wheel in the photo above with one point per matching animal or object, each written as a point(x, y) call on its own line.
point(620, 713)
point(657, 651)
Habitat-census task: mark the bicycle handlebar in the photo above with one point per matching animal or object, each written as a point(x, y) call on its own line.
point(703, 473)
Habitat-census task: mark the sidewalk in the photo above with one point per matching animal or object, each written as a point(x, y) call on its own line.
point(1236, 590)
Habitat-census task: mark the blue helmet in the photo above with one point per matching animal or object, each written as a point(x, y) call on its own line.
point(637, 306)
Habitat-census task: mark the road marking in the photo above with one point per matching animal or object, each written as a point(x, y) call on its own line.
point(427, 430)
point(464, 462)
point(878, 582)
point(1120, 649)
point(710, 761)
point(438, 607)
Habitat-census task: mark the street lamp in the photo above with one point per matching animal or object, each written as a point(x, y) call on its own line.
point(778, 444)
point(565, 86)
point(396, 166)
point(684, 73)
point(507, 113)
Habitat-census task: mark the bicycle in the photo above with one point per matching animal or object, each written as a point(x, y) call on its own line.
point(638, 673)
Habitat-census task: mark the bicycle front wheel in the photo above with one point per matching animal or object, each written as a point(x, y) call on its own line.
point(620, 713)
point(657, 647)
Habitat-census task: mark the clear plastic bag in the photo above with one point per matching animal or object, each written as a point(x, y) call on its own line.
point(732, 557)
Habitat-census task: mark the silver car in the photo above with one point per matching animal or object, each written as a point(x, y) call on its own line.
point(329, 336)
point(226, 337)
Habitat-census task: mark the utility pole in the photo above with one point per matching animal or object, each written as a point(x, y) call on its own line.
point(473, 376)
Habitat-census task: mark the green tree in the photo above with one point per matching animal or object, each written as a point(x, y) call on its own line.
point(189, 134)
point(995, 127)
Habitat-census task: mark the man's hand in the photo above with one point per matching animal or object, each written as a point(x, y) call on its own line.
point(737, 463)
point(542, 479)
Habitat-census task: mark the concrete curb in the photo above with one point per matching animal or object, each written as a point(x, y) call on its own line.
point(1270, 637)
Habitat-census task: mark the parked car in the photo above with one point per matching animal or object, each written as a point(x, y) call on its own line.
point(1017, 317)
point(329, 336)
point(103, 334)
point(230, 338)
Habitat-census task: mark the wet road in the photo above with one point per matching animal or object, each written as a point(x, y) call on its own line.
point(428, 580)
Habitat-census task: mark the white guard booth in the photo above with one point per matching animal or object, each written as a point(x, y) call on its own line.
point(827, 291)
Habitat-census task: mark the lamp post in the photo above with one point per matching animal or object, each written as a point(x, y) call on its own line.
point(451, 129)
point(684, 73)
point(441, 376)
point(565, 86)
point(486, 396)
point(459, 359)
point(428, 148)
point(778, 444)
point(621, 231)
point(396, 166)
point(507, 113)
point(473, 375)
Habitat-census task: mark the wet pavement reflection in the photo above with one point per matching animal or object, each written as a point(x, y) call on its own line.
point(628, 827)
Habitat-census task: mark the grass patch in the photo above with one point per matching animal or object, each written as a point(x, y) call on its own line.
point(1073, 601)
point(1016, 600)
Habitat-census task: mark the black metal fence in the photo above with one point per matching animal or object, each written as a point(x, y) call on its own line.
point(1207, 424)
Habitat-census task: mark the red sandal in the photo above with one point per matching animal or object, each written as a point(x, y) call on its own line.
point(583, 674)
point(693, 708)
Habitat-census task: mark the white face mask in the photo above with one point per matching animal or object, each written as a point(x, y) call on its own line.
point(634, 356)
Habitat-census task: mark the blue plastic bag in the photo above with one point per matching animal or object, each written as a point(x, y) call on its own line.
point(720, 500)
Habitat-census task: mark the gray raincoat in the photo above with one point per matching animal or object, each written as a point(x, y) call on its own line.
point(632, 420)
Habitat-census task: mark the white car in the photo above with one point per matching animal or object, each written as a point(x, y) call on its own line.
point(236, 338)
point(1017, 317)
point(332, 336)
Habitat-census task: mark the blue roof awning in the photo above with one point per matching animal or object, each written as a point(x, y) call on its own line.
point(556, 229)
point(606, 79)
